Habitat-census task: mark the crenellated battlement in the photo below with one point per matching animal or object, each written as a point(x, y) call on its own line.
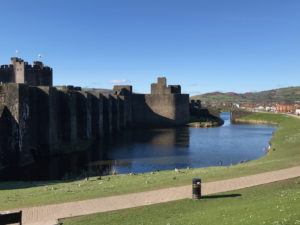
point(161, 87)
point(16, 59)
point(37, 67)
point(6, 67)
point(19, 71)
point(122, 89)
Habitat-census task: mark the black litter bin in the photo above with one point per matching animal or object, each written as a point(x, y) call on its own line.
point(196, 188)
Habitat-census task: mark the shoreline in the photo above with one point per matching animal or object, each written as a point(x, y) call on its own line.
point(252, 121)
point(209, 124)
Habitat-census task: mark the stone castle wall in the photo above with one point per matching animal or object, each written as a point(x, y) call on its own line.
point(41, 121)
point(165, 106)
point(14, 125)
point(22, 73)
point(38, 121)
point(160, 110)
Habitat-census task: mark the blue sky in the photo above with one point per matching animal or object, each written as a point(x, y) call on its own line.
point(204, 45)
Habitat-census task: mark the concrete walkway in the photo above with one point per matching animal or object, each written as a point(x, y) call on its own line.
point(48, 214)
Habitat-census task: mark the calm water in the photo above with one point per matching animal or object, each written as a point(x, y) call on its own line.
point(159, 149)
point(162, 149)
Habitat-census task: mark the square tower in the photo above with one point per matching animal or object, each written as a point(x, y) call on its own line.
point(160, 87)
point(19, 70)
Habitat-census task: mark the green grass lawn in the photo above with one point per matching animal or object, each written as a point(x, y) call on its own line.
point(286, 143)
point(276, 203)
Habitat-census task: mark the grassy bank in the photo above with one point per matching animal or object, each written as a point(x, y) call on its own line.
point(285, 153)
point(276, 203)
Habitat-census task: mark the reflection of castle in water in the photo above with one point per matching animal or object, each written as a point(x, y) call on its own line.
point(172, 137)
point(143, 146)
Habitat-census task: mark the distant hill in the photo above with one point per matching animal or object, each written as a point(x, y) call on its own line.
point(289, 94)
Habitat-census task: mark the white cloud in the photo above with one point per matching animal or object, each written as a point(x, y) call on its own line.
point(119, 81)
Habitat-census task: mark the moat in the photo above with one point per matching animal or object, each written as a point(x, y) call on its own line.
point(149, 150)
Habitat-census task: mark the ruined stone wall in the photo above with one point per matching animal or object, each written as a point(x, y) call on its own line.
point(36, 76)
point(160, 110)
point(42, 121)
point(66, 116)
point(161, 88)
point(21, 72)
point(128, 110)
point(83, 116)
point(95, 100)
point(6, 74)
point(107, 114)
point(14, 125)
point(125, 104)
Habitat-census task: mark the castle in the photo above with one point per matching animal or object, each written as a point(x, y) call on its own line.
point(165, 106)
point(23, 73)
point(38, 120)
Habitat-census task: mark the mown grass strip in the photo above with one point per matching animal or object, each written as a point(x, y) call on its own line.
point(276, 203)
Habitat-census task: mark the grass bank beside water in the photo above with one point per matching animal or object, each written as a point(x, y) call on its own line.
point(275, 203)
point(285, 152)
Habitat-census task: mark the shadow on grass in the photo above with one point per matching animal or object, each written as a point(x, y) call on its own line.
point(13, 185)
point(221, 196)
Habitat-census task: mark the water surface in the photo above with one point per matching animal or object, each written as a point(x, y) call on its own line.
point(162, 149)
point(147, 150)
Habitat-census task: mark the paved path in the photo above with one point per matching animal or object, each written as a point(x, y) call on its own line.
point(293, 115)
point(48, 214)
